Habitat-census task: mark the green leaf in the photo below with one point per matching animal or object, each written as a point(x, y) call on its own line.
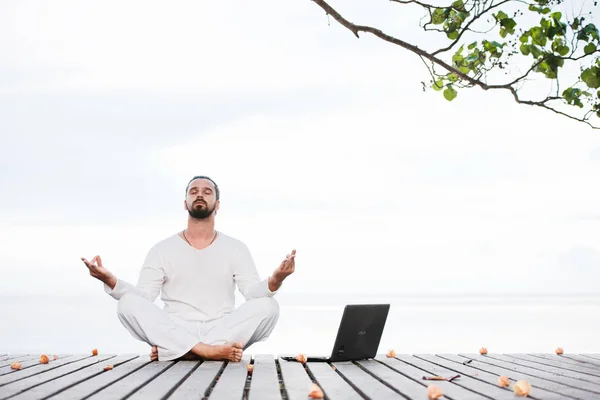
point(494, 48)
point(452, 35)
point(545, 24)
point(459, 5)
point(472, 46)
point(500, 16)
point(450, 93)
point(537, 36)
point(575, 24)
point(472, 58)
point(572, 96)
point(508, 26)
point(524, 37)
point(438, 16)
point(547, 69)
point(590, 48)
point(452, 77)
point(556, 15)
point(508, 23)
point(560, 29)
point(464, 70)
point(525, 49)
point(560, 47)
point(540, 10)
point(463, 16)
point(438, 85)
point(591, 77)
point(535, 51)
point(551, 32)
point(582, 36)
point(591, 30)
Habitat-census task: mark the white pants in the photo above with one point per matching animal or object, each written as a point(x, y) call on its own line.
point(251, 322)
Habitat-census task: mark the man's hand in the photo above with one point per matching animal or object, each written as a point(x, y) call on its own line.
point(98, 271)
point(285, 269)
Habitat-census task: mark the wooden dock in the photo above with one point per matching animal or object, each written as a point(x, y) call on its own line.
point(567, 376)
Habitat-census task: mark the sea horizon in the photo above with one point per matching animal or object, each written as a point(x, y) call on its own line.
point(308, 323)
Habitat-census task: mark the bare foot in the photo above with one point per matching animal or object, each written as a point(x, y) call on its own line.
point(230, 351)
point(154, 354)
point(189, 356)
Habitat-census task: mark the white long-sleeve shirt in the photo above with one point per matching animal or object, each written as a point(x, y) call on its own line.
point(197, 285)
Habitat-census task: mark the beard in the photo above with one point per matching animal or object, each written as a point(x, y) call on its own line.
point(200, 210)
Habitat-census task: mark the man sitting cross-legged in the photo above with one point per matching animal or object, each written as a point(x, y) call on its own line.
point(197, 271)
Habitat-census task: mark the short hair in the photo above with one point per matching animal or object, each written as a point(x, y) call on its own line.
point(217, 191)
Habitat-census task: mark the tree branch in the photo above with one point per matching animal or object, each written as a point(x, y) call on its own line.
point(377, 32)
point(354, 28)
point(584, 119)
point(414, 2)
point(466, 27)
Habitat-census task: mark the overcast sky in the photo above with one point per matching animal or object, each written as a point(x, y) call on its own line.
point(319, 141)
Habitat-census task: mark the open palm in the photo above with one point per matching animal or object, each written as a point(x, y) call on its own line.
point(287, 267)
point(96, 268)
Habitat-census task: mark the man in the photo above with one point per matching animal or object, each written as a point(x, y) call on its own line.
point(197, 270)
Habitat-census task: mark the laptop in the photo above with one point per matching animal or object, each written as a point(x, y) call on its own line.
point(358, 335)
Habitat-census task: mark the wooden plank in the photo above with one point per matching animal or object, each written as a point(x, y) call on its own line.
point(40, 368)
point(265, 382)
point(547, 376)
point(366, 383)
point(133, 382)
point(566, 359)
point(405, 385)
point(232, 381)
point(592, 372)
point(47, 373)
point(20, 358)
point(473, 384)
point(533, 380)
point(582, 360)
point(32, 362)
point(330, 382)
point(11, 356)
point(50, 388)
point(594, 356)
point(196, 385)
point(165, 382)
point(102, 381)
point(449, 388)
point(489, 377)
point(593, 381)
point(296, 380)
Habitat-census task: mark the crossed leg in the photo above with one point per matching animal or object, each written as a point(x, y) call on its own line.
point(253, 321)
